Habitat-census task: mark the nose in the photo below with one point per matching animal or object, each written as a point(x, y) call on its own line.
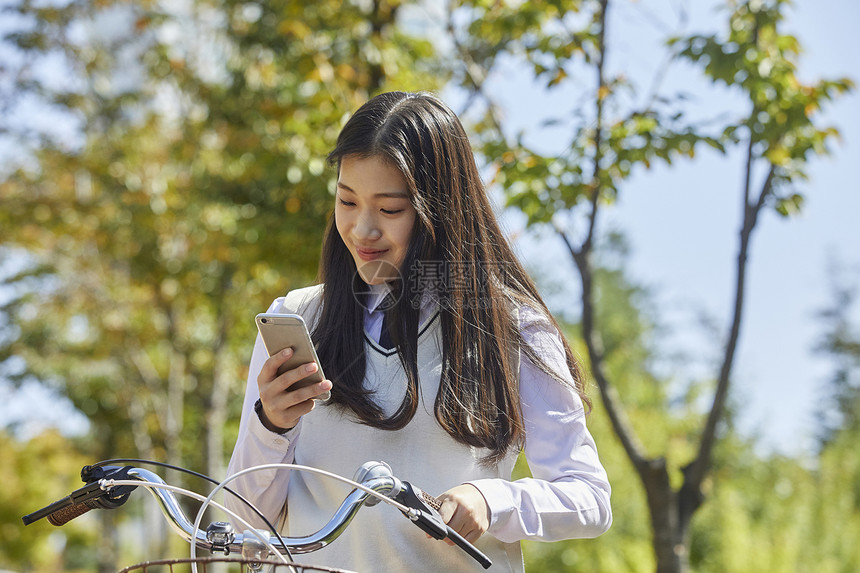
point(366, 228)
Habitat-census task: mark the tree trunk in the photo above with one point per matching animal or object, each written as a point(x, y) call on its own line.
point(668, 540)
point(176, 385)
point(216, 418)
point(108, 547)
point(154, 542)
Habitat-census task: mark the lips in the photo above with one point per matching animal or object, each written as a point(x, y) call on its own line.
point(370, 254)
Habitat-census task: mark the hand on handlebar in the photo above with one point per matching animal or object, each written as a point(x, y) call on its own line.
point(282, 407)
point(465, 511)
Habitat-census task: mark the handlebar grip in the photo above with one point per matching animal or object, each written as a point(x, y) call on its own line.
point(65, 515)
point(429, 520)
point(458, 539)
point(470, 549)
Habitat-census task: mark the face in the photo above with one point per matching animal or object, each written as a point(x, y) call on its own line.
point(374, 216)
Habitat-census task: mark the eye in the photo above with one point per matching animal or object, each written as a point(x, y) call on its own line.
point(391, 211)
point(345, 203)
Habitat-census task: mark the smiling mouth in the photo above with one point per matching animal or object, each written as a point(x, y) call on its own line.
point(370, 254)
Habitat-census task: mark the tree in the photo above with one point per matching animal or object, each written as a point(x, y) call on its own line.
point(561, 42)
point(837, 477)
point(766, 513)
point(841, 342)
point(194, 192)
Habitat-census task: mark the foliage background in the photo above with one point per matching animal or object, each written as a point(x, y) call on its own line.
point(190, 187)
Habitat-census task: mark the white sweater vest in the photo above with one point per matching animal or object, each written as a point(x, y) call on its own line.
point(380, 538)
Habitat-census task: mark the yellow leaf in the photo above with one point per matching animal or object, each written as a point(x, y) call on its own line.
point(559, 76)
point(292, 205)
point(602, 92)
point(778, 155)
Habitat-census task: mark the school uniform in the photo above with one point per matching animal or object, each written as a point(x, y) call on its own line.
point(568, 497)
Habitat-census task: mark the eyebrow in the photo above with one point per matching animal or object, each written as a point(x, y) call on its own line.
point(393, 194)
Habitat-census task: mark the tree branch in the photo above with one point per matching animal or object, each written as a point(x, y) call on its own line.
point(694, 473)
point(475, 74)
point(582, 258)
point(611, 401)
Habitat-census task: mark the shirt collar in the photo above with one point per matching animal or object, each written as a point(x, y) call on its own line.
point(376, 295)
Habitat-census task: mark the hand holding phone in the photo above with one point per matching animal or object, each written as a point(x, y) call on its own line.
point(284, 380)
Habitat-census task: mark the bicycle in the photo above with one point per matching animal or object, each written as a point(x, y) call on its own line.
point(109, 487)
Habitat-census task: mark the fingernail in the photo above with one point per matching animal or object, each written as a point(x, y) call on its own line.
point(286, 351)
point(310, 367)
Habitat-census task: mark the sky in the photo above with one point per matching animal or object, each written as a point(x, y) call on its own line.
point(681, 224)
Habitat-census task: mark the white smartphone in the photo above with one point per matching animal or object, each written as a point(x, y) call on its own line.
point(280, 331)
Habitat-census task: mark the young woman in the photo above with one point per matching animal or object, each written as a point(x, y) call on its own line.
point(443, 362)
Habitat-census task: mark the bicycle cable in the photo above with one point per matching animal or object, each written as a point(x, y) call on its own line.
point(109, 482)
point(205, 477)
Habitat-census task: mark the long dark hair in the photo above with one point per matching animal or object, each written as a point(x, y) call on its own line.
point(478, 398)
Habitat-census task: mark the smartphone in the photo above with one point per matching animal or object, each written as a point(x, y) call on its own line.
point(280, 331)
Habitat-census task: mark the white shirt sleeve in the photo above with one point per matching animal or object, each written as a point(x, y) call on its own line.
point(256, 445)
point(568, 496)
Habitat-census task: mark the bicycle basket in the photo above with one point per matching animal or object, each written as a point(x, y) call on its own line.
point(226, 565)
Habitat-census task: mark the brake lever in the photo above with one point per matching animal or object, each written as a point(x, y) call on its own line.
point(426, 516)
point(91, 496)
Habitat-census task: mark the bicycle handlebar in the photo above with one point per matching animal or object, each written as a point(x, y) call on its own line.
point(102, 492)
